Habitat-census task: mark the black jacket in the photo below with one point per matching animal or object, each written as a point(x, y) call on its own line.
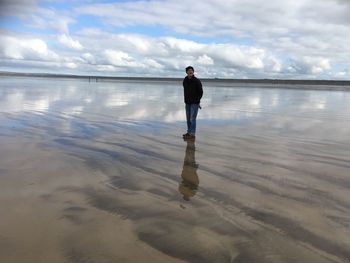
point(193, 90)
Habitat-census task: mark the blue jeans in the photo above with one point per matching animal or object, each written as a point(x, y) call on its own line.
point(191, 116)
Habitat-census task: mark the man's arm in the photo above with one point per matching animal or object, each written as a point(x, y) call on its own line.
point(200, 89)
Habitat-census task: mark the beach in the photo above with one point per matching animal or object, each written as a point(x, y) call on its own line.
point(99, 172)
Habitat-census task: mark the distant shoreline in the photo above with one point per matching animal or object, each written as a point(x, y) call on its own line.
point(345, 84)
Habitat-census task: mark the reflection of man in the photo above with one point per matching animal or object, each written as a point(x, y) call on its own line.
point(193, 93)
point(190, 181)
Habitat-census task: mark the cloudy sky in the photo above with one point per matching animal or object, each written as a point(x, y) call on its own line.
point(289, 39)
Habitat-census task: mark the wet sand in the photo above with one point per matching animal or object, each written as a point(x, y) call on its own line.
point(99, 173)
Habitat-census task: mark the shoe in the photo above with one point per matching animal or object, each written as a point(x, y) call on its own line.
point(186, 135)
point(189, 137)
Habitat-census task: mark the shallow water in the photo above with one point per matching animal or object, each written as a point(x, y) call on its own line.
point(98, 172)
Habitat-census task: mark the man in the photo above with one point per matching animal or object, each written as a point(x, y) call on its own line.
point(193, 93)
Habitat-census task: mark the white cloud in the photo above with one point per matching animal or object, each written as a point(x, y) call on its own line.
point(69, 42)
point(148, 62)
point(312, 65)
point(171, 53)
point(213, 18)
point(240, 56)
point(138, 42)
point(228, 38)
point(119, 58)
point(119, 55)
point(290, 29)
point(318, 65)
point(33, 53)
point(273, 65)
point(71, 65)
point(205, 60)
point(89, 58)
point(182, 45)
point(106, 68)
point(25, 48)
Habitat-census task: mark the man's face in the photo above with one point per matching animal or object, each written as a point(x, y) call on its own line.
point(189, 73)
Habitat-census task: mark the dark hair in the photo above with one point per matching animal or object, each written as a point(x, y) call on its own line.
point(189, 67)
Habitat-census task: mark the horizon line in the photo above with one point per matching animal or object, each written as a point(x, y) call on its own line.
point(248, 80)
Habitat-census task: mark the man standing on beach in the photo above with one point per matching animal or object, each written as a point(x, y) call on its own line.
point(193, 93)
